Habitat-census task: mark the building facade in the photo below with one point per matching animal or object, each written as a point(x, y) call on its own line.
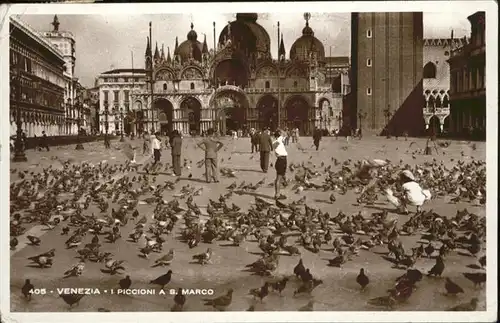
point(115, 90)
point(436, 86)
point(64, 42)
point(468, 82)
point(386, 84)
point(37, 82)
point(238, 85)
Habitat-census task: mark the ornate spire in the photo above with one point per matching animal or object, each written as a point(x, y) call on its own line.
point(281, 50)
point(148, 48)
point(169, 59)
point(157, 52)
point(307, 30)
point(205, 46)
point(55, 23)
point(192, 35)
point(162, 54)
point(176, 44)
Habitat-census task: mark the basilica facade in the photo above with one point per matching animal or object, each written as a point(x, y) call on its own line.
point(238, 85)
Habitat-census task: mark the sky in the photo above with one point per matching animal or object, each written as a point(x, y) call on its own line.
point(105, 42)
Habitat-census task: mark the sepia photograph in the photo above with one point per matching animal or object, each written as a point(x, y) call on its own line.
point(204, 158)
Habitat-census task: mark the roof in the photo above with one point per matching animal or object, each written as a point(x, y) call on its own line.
point(24, 27)
point(126, 70)
point(337, 60)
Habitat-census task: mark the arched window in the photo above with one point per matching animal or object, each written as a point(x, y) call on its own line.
point(192, 86)
point(438, 102)
point(268, 85)
point(430, 71)
point(164, 86)
point(446, 101)
point(295, 84)
point(368, 62)
point(431, 102)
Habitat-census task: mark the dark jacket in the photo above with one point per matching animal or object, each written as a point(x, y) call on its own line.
point(265, 142)
point(255, 138)
point(176, 144)
point(317, 135)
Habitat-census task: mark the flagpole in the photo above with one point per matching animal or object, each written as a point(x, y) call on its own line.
point(132, 92)
point(279, 80)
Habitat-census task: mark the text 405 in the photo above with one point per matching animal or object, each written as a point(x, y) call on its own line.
point(38, 291)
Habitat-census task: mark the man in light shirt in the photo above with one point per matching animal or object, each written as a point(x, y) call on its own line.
point(156, 145)
point(280, 165)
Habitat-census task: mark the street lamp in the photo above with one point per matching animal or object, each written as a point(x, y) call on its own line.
point(78, 104)
point(106, 125)
point(121, 117)
point(19, 155)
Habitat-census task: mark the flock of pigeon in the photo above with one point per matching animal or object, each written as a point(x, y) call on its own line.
point(281, 228)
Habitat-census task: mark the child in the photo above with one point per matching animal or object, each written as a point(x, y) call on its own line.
point(413, 194)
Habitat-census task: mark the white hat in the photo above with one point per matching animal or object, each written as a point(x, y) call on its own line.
point(408, 174)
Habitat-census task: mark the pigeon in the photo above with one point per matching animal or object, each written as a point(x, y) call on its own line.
point(72, 299)
point(125, 283)
point(261, 292)
point(476, 278)
point(35, 241)
point(221, 302)
point(299, 269)
point(179, 298)
point(166, 259)
point(13, 243)
point(438, 268)
point(27, 289)
point(362, 279)
point(280, 285)
point(204, 258)
point(162, 280)
point(452, 288)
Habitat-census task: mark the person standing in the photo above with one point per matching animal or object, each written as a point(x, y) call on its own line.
point(280, 165)
point(145, 144)
point(24, 140)
point(317, 137)
point(176, 145)
point(211, 148)
point(43, 141)
point(254, 140)
point(156, 146)
point(265, 144)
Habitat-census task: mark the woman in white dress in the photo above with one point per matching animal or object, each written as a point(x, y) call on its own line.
point(413, 194)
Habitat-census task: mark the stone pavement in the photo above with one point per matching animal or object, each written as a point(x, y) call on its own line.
point(339, 291)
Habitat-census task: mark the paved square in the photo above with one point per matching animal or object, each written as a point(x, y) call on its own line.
point(339, 290)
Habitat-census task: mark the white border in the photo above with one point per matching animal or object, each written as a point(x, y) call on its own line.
point(491, 9)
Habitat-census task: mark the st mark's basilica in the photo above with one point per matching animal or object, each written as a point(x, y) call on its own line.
point(239, 85)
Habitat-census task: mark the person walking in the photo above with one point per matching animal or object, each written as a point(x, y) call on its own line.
point(254, 140)
point(316, 137)
point(156, 146)
point(211, 148)
point(43, 141)
point(176, 146)
point(145, 144)
point(265, 145)
point(280, 165)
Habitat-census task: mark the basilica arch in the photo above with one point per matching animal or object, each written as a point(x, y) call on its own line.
point(230, 105)
point(297, 113)
point(267, 108)
point(165, 111)
point(191, 113)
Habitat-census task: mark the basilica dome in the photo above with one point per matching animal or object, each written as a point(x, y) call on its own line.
point(307, 44)
point(247, 35)
point(190, 48)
